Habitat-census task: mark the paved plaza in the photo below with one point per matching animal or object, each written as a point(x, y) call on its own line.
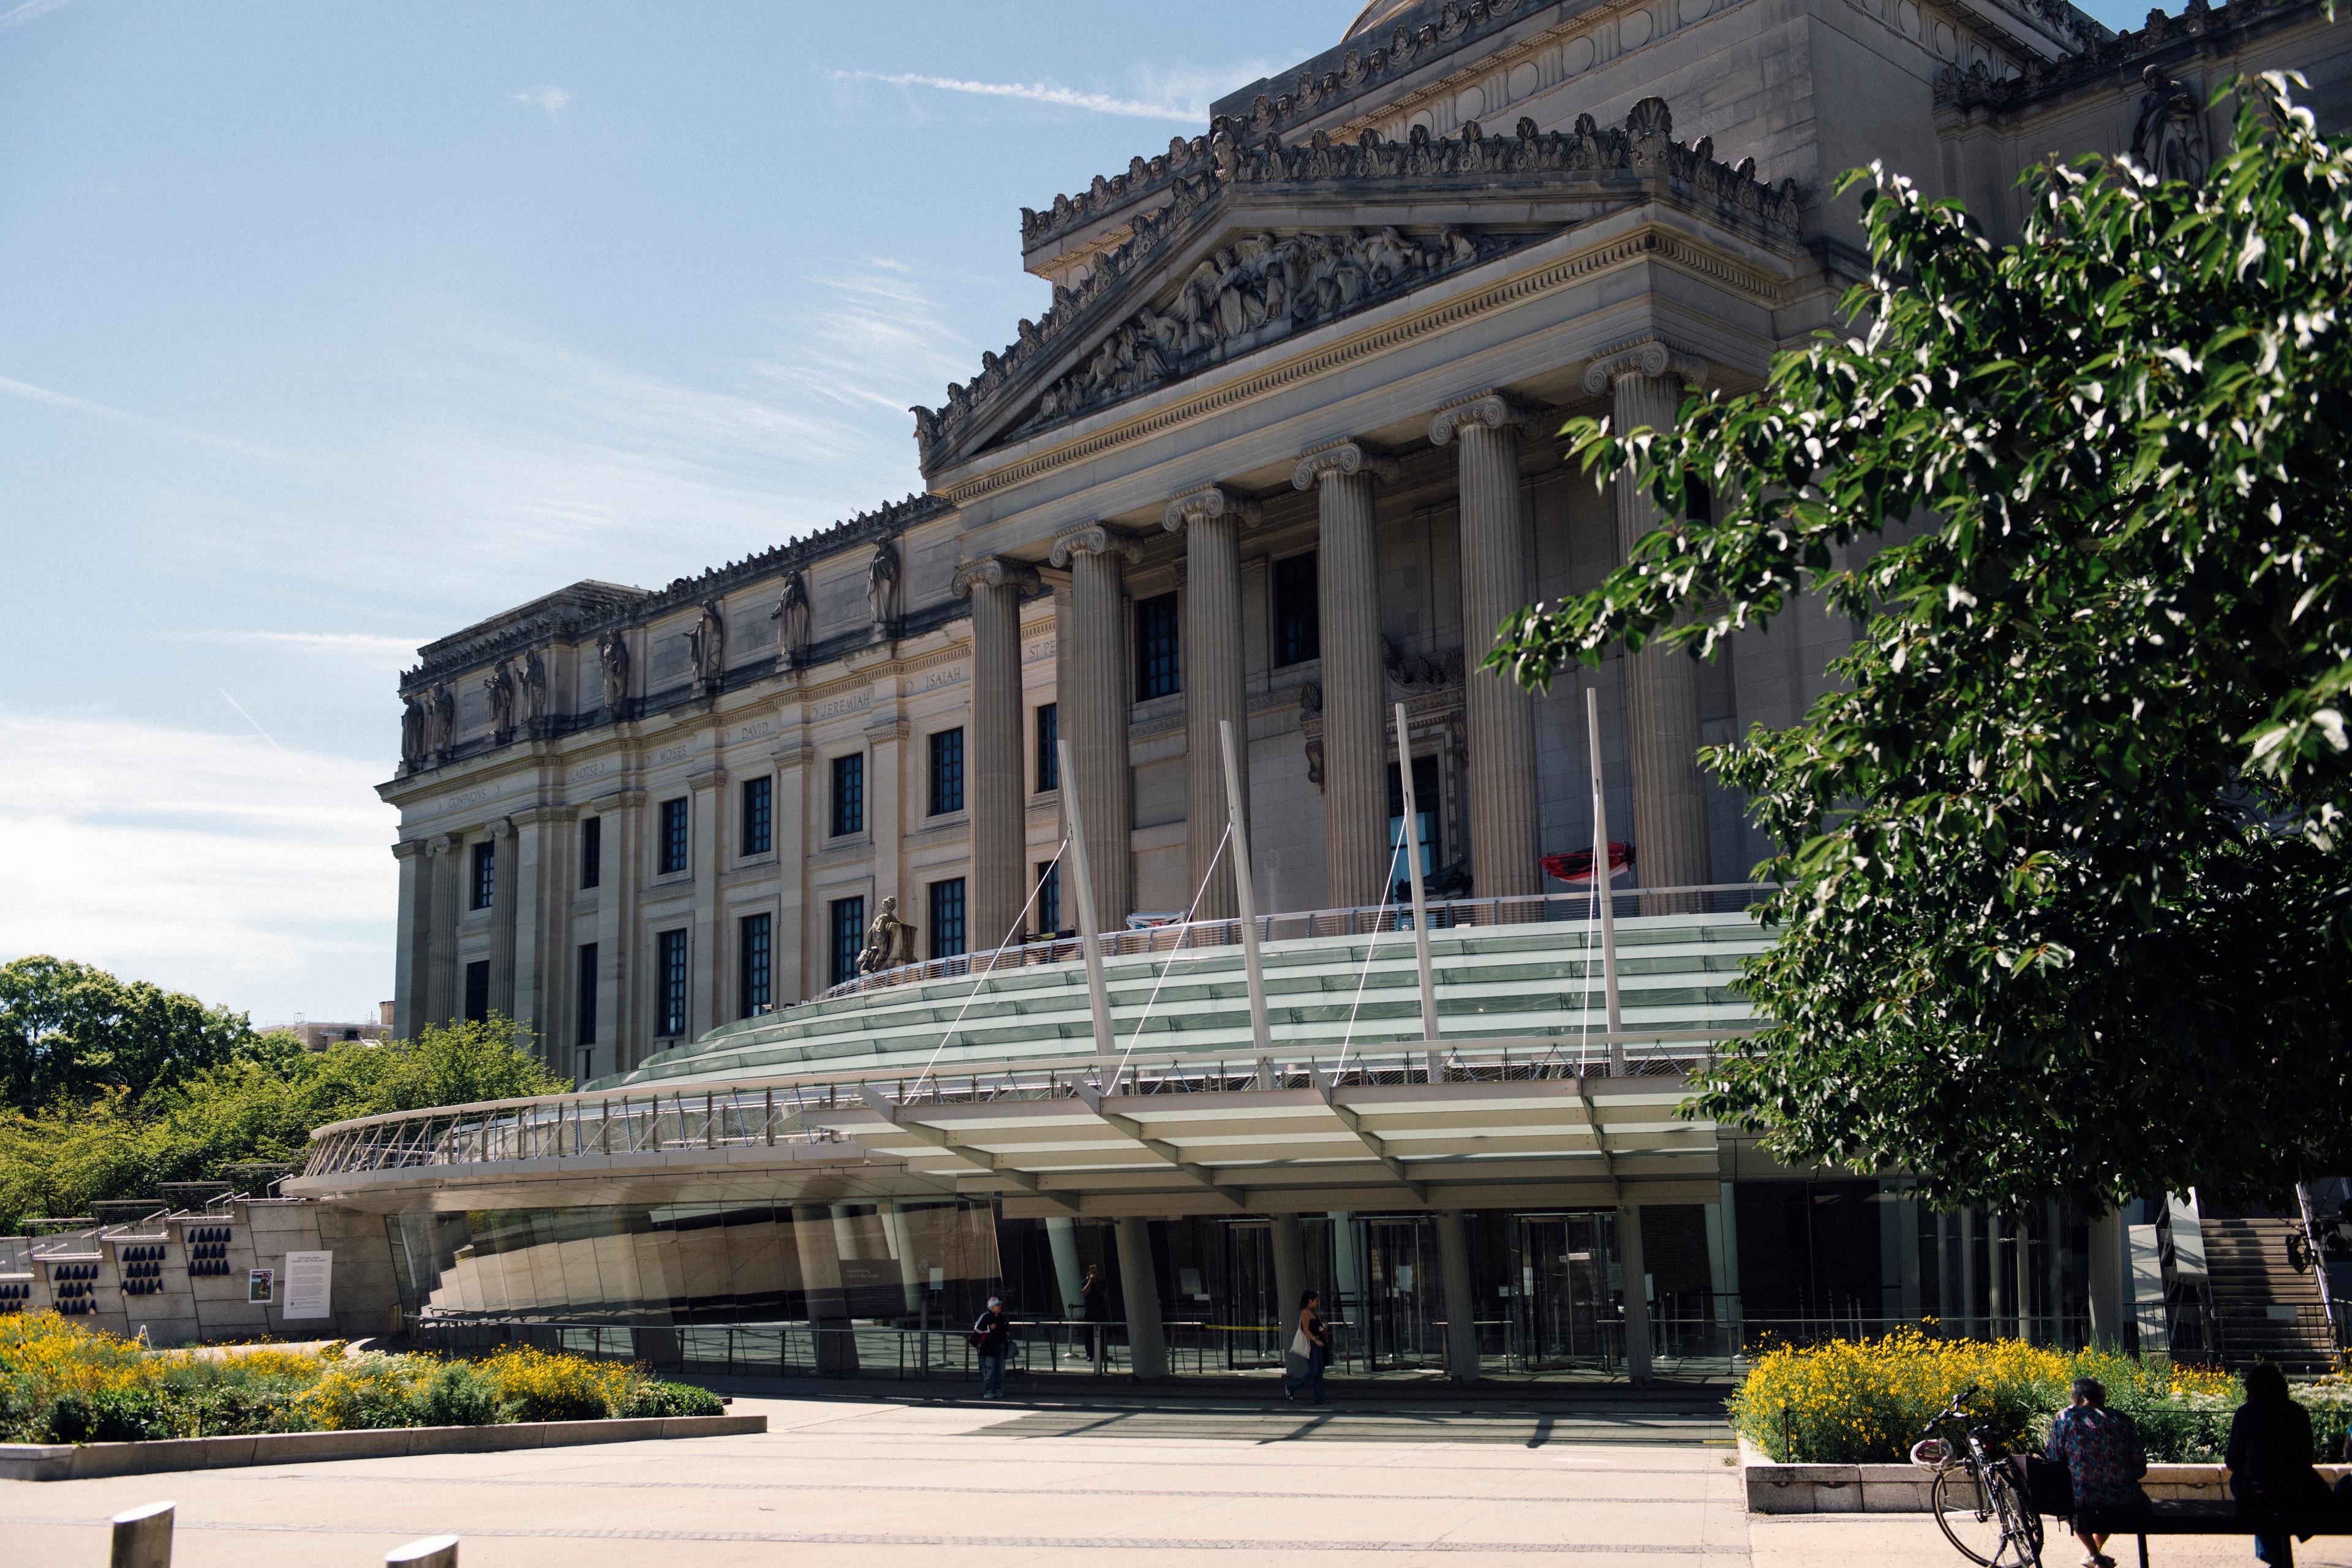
point(874, 1485)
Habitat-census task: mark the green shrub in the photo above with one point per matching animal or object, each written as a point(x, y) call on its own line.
point(657, 1399)
point(110, 1415)
point(459, 1393)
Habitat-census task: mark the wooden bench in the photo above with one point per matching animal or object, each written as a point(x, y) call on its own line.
point(2177, 1519)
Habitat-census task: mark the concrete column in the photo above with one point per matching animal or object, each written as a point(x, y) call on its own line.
point(828, 1302)
point(411, 961)
point(445, 987)
point(706, 1003)
point(1355, 665)
point(506, 894)
point(1505, 846)
point(1095, 712)
point(1634, 1267)
point(1946, 1274)
point(902, 1253)
point(1062, 1238)
point(527, 921)
point(1997, 1318)
point(1968, 1320)
point(1290, 1241)
point(996, 788)
point(1346, 1289)
point(1907, 1220)
point(1139, 1288)
point(619, 1022)
point(791, 762)
point(2108, 1305)
point(1670, 834)
point(1460, 1298)
point(1211, 520)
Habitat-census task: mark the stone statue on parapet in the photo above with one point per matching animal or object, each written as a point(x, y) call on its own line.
point(890, 941)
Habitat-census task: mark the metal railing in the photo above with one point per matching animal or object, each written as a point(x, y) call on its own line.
point(1371, 920)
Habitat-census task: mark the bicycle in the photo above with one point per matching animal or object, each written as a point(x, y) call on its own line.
point(1978, 1498)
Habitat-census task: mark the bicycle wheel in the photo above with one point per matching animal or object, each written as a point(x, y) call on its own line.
point(1986, 1517)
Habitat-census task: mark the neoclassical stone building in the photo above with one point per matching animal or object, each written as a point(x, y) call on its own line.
point(1282, 453)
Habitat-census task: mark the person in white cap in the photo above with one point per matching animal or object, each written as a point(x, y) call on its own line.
point(992, 1335)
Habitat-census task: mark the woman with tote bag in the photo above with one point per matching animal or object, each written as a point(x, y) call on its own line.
point(1311, 1351)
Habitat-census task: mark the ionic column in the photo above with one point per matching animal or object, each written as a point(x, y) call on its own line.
point(1094, 708)
point(410, 964)
point(441, 984)
point(620, 1021)
point(1211, 520)
point(994, 781)
point(1662, 684)
point(506, 897)
point(1500, 715)
point(708, 1005)
point(1355, 744)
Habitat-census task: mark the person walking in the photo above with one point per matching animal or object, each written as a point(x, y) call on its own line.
point(992, 1335)
point(1310, 1350)
point(2105, 1460)
point(2271, 1473)
point(1094, 1306)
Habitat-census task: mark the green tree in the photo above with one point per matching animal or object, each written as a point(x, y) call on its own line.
point(69, 1029)
point(2066, 904)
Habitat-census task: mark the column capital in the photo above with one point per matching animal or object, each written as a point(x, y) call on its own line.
point(441, 844)
point(711, 777)
point(1489, 410)
point(1340, 460)
point(1099, 538)
point(1208, 502)
point(409, 848)
point(995, 572)
point(1643, 356)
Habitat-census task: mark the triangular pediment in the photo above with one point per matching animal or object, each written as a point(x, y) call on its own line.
point(1271, 241)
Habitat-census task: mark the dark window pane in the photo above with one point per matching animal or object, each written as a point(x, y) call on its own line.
point(759, 815)
point(1298, 618)
point(1049, 897)
point(673, 834)
point(848, 795)
point(1158, 671)
point(591, 852)
point(848, 935)
point(584, 1007)
point(486, 875)
point(947, 918)
point(758, 964)
point(478, 991)
point(947, 772)
point(1432, 835)
point(1049, 757)
point(669, 1017)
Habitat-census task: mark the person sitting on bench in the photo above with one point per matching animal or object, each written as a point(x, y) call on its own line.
point(2271, 1473)
point(2101, 1450)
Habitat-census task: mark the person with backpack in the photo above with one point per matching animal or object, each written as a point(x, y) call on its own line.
point(992, 1336)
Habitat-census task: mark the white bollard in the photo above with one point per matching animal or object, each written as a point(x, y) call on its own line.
point(142, 1537)
point(433, 1551)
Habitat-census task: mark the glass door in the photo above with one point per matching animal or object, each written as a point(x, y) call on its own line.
point(1405, 1300)
point(1569, 1314)
point(1255, 1324)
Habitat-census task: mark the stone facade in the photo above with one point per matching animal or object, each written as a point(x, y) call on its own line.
point(1348, 320)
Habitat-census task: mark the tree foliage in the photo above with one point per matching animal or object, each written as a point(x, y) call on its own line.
point(2065, 904)
point(70, 1030)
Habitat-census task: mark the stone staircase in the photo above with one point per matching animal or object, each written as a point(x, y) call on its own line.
point(2264, 1308)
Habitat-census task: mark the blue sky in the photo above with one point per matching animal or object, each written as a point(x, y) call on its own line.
point(330, 327)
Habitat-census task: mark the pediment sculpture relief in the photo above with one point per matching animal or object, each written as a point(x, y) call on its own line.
point(534, 686)
point(613, 661)
point(501, 686)
point(793, 616)
point(706, 644)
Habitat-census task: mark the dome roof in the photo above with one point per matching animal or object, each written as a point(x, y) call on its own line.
point(1378, 13)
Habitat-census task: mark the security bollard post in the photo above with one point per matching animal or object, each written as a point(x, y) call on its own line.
point(142, 1537)
point(433, 1551)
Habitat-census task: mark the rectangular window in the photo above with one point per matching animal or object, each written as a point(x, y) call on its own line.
point(947, 919)
point(1158, 671)
point(848, 933)
point(591, 853)
point(1425, 803)
point(674, 821)
point(477, 992)
point(584, 1066)
point(758, 815)
point(758, 949)
point(947, 770)
point(1049, 897)
point(1297, 616)
point(1049, 756)
point(486, 874)
point(849, 794)
point(670, 972)
point(583, 997)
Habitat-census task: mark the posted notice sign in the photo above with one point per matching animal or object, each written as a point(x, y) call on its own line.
point(310, 1279)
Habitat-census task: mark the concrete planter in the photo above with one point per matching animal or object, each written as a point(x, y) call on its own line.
point(65, 1462)
point(1904, 1489)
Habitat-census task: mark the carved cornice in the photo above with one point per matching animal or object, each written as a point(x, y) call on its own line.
point(2200, 30)
point(1644, 356)
point(1341, 459)
point(995, 572)
point(1210, 501)
point(1491, 410)
point(1096, 540)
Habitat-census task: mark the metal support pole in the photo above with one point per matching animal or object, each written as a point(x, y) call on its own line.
point(1261, 1038)
point(1090, 929)
point(1602, 878)
point(1419, 897)
point(142, 1537)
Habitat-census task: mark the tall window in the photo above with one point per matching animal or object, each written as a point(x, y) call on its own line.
point(486, 874)
point(1159, 671)
point(947, 918)
point(947, 770)
point(1049, 897)
point(591, 852)
point(477, 992)
point(1425, 803)
point(673, 834)
point(669, 970)
point(1049, 758)
point(849, 794)
point(583, 997)
point(758, 948)
point(848, 933)
point(758, 815)
point(1298, 618)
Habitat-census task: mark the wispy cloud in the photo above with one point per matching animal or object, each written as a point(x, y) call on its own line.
point(366, 645)
point(31, 11)
point(1033, 93)
point(553, 99)
point(67, 400)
